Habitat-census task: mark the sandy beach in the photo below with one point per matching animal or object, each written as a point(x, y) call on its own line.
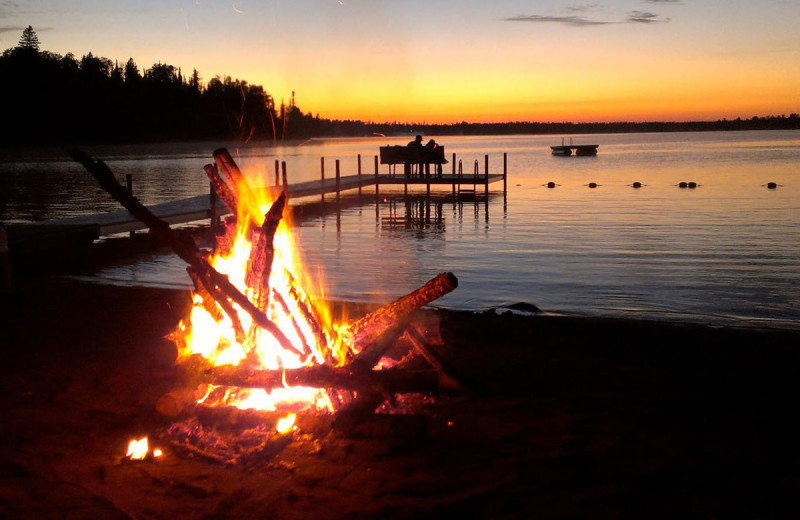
point(566, 418)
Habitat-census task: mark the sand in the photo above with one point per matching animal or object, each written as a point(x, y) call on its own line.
point(566, 417)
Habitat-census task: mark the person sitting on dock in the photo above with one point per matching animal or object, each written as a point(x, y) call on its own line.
point(430, 146)
point(415, 151)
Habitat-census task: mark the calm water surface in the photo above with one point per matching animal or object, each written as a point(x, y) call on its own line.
point(727, 252)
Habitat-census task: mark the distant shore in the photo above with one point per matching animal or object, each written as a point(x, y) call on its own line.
point(358, 129)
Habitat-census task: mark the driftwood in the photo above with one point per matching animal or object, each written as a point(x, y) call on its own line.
point(367, 328)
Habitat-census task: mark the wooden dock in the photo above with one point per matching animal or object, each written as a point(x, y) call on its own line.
point(63, 233)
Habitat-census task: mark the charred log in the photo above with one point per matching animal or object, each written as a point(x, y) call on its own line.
point(421, 346)
point(364, 330)
point(225, 193)
point(259, 265)
point(388, 381)
point(229, 169)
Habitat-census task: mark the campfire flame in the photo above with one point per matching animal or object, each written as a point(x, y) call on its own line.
point(139, 449)
point(211, 333)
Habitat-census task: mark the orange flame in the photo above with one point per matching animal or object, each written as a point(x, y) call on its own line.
point(307, 325)
point(138, 449)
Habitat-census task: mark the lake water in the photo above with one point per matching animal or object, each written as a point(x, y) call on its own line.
point(726, 252)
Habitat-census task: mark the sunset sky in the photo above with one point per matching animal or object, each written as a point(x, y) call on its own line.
point(441, 61)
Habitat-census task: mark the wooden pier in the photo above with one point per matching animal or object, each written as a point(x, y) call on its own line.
point(30, 238)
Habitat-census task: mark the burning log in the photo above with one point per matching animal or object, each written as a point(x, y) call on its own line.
point(308, 309)
point(259, 264)
point(296, 326)
point(208, 302)
point(234, 175)
point(226, 237)
point(364, 330)
point(217, 284)
point(211, 298)
point(224, 191)
point(374, 351)
point(387, 381)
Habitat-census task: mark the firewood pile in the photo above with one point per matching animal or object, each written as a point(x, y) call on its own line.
point(348, 364)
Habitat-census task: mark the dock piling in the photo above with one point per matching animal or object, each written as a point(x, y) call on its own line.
point(129, 187)
point(338, 181)
point(285, 182)
point(505, 182)
point(359, 175)
point(322, 177)
point(486, 181)
point(377, 190)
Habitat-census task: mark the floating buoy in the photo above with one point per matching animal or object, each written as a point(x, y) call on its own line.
point(551, 184)
point(692, 185)
point(682, 184)
point(592, 184)
point(772, 185)
point(637, 184)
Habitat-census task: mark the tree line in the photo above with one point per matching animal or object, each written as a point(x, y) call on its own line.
point(47, 98)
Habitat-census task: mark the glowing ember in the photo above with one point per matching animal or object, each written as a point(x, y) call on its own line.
point(286, 424)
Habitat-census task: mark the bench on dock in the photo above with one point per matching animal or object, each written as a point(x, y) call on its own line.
point(408, 156)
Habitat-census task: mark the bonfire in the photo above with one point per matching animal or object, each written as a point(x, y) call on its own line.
point(255, 339)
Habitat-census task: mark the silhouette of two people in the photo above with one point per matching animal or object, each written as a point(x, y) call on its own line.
point(417, 155)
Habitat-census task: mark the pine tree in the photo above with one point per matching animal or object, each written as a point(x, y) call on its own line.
point(29, 40)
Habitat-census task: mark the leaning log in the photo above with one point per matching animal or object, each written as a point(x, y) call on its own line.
point(366, 329)
point(225, 193)
point(262, 253)
point(229, 169)
point(181, 244)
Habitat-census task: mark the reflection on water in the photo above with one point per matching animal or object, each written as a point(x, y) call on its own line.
point(727, 251)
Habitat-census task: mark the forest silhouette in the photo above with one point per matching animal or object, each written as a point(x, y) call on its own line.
point(47, 98)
